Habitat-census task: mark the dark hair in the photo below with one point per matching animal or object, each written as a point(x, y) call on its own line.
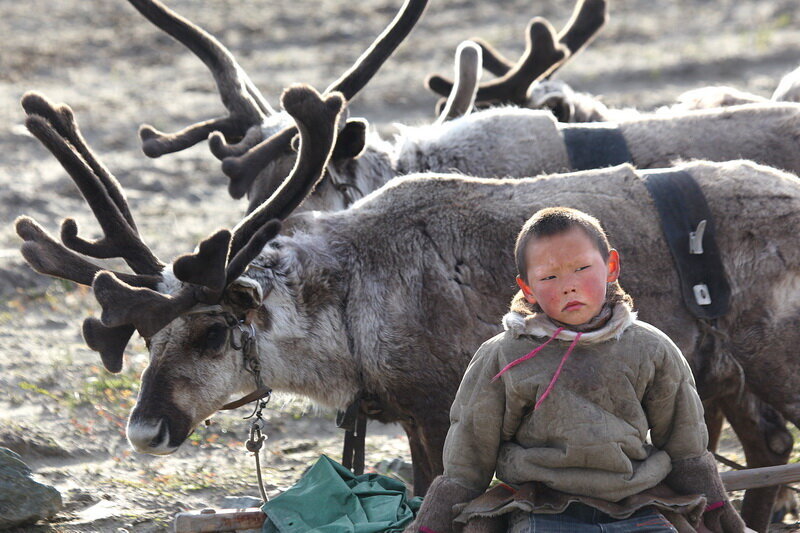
point(554, 221)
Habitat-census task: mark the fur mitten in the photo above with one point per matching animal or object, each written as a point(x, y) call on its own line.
point(436, 513)
point(723, 520)
point(699, 475)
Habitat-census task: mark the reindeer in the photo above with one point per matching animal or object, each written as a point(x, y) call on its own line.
point(519, 84)
point(497, 142)
point(387, 300)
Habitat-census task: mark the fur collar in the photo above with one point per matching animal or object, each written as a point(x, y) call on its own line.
point(539, 325)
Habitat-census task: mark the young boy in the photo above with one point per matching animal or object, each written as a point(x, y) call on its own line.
point(591, 413)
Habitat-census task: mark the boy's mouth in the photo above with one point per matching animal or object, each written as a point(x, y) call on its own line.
point(573, 306)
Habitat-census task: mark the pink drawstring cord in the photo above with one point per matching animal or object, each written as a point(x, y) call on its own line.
point(552, 383)
point(558, 371)
point(715, 505)
point(535, 351)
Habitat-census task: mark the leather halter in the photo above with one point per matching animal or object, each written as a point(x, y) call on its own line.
point(249, 348)
point(248, 344)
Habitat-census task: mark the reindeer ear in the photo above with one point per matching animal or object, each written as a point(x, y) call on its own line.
point(244, 294)
point(560, 106)
point(350, 141)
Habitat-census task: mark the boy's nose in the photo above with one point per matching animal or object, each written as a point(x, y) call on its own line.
point(567, 291)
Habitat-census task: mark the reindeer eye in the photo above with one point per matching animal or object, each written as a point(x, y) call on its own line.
point(215, 337)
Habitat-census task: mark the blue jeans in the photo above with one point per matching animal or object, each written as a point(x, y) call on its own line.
point(580, 518)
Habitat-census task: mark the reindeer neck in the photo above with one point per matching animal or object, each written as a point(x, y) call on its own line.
point(302, 339)
point(373, 168)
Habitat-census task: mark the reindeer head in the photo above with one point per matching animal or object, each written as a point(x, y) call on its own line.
point(252, 140)
point(545, 53)
point(194, 314)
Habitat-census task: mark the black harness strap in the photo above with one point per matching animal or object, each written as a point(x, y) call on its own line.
point(596, 145)
point(354, 421)
point(689, 231)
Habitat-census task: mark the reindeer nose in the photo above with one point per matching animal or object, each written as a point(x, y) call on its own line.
point(149, 436)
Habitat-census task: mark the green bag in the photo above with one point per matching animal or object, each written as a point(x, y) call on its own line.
point(331, 499)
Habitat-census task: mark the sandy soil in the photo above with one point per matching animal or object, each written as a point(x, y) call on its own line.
point(57, 405)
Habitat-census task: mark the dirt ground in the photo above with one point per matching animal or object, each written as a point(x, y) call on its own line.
point(57, 405)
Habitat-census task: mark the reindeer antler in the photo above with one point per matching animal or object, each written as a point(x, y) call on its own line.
point(246, 107)
point(467, 76)
point(131, 301)
point(317, 121)
point(512, 85)
point(223, 257)
point(56, 128)
point(243, 170)
point(542, 54)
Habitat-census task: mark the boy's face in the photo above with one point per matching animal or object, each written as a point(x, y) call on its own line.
point(567, 276)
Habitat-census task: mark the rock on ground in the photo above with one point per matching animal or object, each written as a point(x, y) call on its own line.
point(23, 500)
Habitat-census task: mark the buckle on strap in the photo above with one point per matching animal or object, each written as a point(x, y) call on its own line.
point(696, 238)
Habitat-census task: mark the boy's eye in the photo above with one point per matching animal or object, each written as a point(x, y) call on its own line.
point(547, 278)
point(583, 268)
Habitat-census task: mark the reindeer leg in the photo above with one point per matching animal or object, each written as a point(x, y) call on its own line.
point(426, 435)
point(419, 460)
point(714, 419)
point(766, 442)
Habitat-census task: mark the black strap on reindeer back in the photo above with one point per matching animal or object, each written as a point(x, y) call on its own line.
point(354, 422)
point(689, 230)
point(595, 145)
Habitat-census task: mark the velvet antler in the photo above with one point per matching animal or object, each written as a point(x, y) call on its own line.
point(237, 138)
point(130, 301)
point(246, 107)
point(467, 76)
point(534, 64)
point(243, 170)
point(223, 257)
point(56, 128)
point(542, 54)
point(317, 120)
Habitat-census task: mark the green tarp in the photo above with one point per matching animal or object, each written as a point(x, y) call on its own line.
point(331, 499)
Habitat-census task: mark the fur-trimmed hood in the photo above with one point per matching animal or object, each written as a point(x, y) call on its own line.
point(539, 325)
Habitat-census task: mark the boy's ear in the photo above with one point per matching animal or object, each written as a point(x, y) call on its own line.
point(613, 266)
point(526, 291)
